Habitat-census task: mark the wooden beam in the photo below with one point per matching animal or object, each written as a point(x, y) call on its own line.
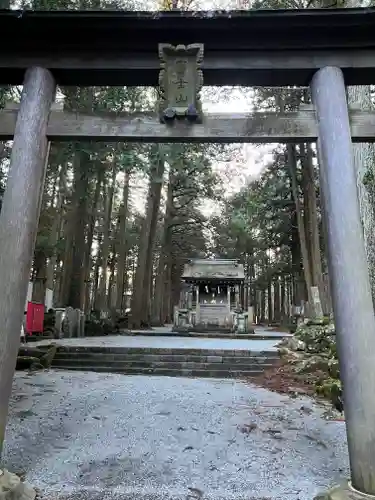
point(221, 67)
point(227, 128)
point(261, 47)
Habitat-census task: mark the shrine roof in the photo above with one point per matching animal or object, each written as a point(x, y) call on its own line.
point(121, 47)
point(213, 269)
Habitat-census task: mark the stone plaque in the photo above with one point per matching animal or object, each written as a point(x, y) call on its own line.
point(180, 82)
point(318, 311)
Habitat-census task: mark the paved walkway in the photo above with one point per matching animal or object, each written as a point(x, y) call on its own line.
point(259, 331)
point(89, 436)
point(170, 343)
point(270, 332)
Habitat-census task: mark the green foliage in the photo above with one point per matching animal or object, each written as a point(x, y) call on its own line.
point(43, 241)
point(318, 338)
point(256, 224)
point(312, 354)
point(192, 181)
point(368, 181)
point(79, 4)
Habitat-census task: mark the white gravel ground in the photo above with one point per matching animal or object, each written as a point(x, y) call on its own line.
point(88, 436)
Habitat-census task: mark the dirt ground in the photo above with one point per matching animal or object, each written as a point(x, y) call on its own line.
point(282, 379)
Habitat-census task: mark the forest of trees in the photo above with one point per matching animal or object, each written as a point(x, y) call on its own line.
point(119, 221)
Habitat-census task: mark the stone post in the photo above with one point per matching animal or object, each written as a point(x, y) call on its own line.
point(79, 322)
point(197, 307)
point(19, 219)
point(190, 299)
point(237, 295)
point(250, 314)
point(82, 323)
point(176, 316)
point(350, 286)
point(230, 316)
point(59, 312)
point(316, 305)
point(70, 323)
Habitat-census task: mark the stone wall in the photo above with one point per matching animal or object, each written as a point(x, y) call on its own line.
point(312, 353)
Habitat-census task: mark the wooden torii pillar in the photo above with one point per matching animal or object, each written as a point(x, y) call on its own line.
point(348, 270)
point(19, 220)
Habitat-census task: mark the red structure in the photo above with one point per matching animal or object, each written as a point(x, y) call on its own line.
point(34, 318)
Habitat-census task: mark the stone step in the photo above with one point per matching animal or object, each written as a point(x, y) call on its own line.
point(150, 358)
point(210, 335)
point(166, 351)
point(136, 364)
point(165, 361)
point(247, 336)
point(167, 371)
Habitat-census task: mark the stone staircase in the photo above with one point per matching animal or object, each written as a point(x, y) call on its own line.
point(171, 362)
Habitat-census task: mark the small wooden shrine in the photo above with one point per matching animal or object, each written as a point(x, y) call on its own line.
point(211, 296)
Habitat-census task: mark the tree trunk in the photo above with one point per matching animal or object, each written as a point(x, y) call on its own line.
point(175, 288)
point(283, 300)
point(90, 237)
point(161, 276)
point(56, 228)
point(39, 279)
point(262, 306)
point(111, 284)
point(292, 163)
point(297, 284)
point(80, 196)
point(67, 259)
point(106, 241)
point(147, 284)
point(95, 295)
point(269, 302)
point(276, 301)
point(312, 218)
point(306, 214)
point(122, 251)
point(141, 292)
point(167, 307)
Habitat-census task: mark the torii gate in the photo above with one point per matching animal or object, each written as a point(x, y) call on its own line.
point(325, 49)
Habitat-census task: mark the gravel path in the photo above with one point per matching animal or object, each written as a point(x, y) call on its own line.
point(88, 436)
